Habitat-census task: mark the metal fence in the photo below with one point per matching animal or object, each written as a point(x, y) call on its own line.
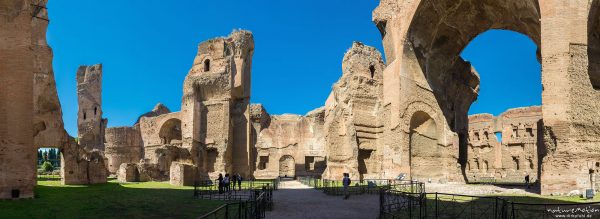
point(251, 201)
point(208, 189)
point(365, 186)
point(406, 201)
point(251, 209)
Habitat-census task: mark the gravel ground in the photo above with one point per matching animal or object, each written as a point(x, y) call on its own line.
point(294, 200)
point(470, 189)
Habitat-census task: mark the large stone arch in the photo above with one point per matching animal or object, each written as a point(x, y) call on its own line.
point(427, 36)
point(170, 131)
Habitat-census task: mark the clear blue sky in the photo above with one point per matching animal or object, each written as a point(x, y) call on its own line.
point(147, 48)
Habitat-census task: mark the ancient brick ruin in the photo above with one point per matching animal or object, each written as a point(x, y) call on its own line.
point(25, 126)
point(384, 118)
point(505, 148)
point(90, 123)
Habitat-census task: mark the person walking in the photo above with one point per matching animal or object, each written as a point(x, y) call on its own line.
point(220, 179)
point(226, 182)
point(346, 183)
point(239, 180)
point(234, 181)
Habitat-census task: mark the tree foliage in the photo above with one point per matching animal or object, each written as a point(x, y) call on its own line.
point(47, 166)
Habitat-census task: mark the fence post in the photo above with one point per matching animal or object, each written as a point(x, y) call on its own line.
point(381, 203)
point(409, 207)
point(195, 188)
point(512, 205)
point(436, 205)
point(227, 211)
point(496, 208)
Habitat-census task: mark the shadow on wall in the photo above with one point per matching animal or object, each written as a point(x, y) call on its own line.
point(594, 44)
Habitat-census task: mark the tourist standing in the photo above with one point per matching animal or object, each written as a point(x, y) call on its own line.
point(527, 180)
point(346, 183)
point(226, 182)
point(239, 180)
point(220, 179)
point(234, 181)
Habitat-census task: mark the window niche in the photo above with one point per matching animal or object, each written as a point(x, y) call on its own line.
point(206, 65)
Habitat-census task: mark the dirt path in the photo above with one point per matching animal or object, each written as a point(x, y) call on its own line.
point(294, 200)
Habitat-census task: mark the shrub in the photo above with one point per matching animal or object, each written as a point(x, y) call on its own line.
point(47, 166)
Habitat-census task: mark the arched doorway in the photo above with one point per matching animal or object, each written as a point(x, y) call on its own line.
point(287, 166)
point(423, 147)
point(170, 132)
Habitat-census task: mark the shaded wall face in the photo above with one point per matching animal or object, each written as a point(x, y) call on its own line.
point(16, 100)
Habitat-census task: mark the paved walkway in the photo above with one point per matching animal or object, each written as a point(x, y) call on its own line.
point(294, 200)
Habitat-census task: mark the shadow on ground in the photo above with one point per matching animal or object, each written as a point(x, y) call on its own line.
point(109, 200)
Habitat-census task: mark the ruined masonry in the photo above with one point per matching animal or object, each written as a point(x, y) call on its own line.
point(90, 123)
point(25, 126)
point(405, 115)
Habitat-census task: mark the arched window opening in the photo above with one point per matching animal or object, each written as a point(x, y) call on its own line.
point(170, 132)
point(95, 111)
point(84, 116)
point(372, 70)
point(206, 65)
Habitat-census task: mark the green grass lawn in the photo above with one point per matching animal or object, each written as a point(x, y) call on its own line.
point(109, 200)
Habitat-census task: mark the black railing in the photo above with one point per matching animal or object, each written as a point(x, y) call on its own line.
point(207, 189)
point(406, 201)
point(254, 208)
point(367, 186)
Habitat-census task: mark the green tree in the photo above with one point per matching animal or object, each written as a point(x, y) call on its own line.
point(40, 156)
point(52, 154)
point(57, 157)
point(47, 166)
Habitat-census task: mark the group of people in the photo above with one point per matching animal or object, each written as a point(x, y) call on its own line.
point(227, 183)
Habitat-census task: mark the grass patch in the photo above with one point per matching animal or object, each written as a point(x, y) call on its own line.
point(109, 200)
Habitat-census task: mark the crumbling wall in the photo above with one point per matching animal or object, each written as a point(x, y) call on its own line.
point(289, 145)
point(16, 94)
point(157, 167)
point(426, 37)
point(123, 145)
point(512, 157)
point(215, 106)
point(353, 129)
point(90, 123)
point(26, 126)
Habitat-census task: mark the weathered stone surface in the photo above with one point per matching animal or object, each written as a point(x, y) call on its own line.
point(353, 131)
point(182, 174)
point(123, 145)
point(215, 111)
point(423, 40)
point(513, 156)
point(17, 152)
point(90, 123)
point(128, 172)
point(26, 73)
point(289, 145)
point(158, 110)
